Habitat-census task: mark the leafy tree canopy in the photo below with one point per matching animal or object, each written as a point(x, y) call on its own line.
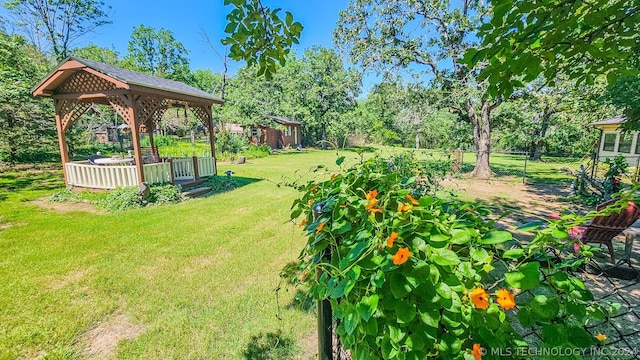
point(97, 53)
point(54, 25)
point(527, 39)
point(157, 52)
point(258, 35)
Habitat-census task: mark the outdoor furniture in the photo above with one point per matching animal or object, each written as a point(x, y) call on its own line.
point(602, 229)
point(114, 161)
point(93, 158)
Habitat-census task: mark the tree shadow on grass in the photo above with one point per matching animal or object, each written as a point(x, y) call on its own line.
point(270, 346)
point(222, 184)
point(31, 180)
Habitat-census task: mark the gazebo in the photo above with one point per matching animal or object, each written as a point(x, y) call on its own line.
point(141, 100)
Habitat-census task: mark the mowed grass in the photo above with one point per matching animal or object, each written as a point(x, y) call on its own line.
point(194, 280)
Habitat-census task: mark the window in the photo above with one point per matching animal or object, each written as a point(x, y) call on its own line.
point(624, 146)
point(254, 132)
point(287, 132)
point(637, 144)
point(609, 142)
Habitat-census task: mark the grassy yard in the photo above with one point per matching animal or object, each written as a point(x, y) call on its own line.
point(187, 281)
point(193, 280)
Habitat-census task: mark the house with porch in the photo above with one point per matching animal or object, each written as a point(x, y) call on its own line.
point(140, 100)
point(616, 142)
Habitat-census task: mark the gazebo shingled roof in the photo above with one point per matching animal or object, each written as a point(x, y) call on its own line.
point(140, 99)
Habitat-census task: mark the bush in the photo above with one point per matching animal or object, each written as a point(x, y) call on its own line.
point(159, 141)
point(165, 194)
point(64, 195)
point(257, 151)
point(228, 143)
point(122, 199)
point(412, 276)
point(220, 184)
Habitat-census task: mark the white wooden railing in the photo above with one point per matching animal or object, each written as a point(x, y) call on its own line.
point(183, 169)
point(158, 173)
point(206, 166)
point(82, 174)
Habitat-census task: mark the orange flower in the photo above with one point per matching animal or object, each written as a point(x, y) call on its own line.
point(371, 206)
point(601, 337)
point(411, 199)
point(401, 256)
point(505, 299)
point(314, 188)
point(320, 227)
point(303, 276)
point(393, 237)
point(477, 352)
point(303, 222)
point(333, 176)
point(403, 208)
point(310, 202)
point(371, 195)
point(479, 298)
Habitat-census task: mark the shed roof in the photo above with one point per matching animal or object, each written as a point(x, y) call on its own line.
point(125, 77)
point(283, 120)
point(610, 121)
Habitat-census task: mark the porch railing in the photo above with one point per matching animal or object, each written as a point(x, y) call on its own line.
point(82, 174)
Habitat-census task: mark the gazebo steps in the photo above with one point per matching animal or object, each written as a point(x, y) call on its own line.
point(195, 192)
point(189, 184)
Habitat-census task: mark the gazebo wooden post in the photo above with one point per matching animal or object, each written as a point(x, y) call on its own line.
point(135, 137)
point(212, 137)
point(62, 141)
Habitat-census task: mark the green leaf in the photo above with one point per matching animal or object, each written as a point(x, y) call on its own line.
point(445, 257)
point(230, 28)
point(513, 254)
point(527, 277)
point(399, 286)
point(406, 314)
point(460, 236)
point(367, 306)
point(530, 226)
point(351, 320)
point(396, 333)
point(341, 227)
point(545, 308)
point(496, 237)
point(340, 160)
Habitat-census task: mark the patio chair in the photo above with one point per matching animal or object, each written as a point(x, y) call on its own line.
point(602, 229)
point(93, 157)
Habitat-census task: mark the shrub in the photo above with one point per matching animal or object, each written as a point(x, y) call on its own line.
point(220, 184)
point(122, 199)
point(64, 195)
point(165, 194)
point(159, 141)
point(229, 143)
point(408, 275)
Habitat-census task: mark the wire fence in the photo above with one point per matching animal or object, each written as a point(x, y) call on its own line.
point(549, 168)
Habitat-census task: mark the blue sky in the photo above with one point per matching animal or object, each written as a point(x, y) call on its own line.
point(187, 17)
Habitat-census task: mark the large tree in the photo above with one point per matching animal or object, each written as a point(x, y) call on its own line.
point(25, 123)
point(433, 34)
point(97, 53)
point(157, 52)
point(54, 25)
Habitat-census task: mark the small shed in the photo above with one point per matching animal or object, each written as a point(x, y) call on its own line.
point(288, 133)
point(614, 141)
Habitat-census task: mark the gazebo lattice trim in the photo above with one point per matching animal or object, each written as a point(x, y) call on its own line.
point(120, 104)
point(85, 82)
point(70, 111)
point(147, 106)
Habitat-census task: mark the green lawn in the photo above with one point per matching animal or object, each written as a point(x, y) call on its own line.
point(193, 280)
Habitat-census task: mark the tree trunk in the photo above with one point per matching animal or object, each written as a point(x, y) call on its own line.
point(417, 141)
point(481, 138)
point(324, 137)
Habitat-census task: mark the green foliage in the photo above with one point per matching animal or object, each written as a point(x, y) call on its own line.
point(229, 143)
point(259, 36)
point(96, 53)
point(160, 141)
point(579, 39)
point(257, 151)
point(158, 53)
point(127, 198)
point(220, 184)
point(406, 272)
point(122, 199)
point(165, 194)
point(56, 24)
point(63, 195)
point(26, 128)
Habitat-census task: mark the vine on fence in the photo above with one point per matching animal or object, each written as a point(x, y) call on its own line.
point(408, 272)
